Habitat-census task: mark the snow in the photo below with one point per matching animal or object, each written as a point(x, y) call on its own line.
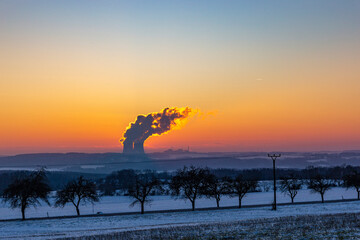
point(51, 169)
point(115, 204)
point(72, 227)
point(317, 160)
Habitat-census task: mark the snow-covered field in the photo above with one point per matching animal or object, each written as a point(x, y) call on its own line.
point(72, 227)
point(323, 226)
point(117, 204)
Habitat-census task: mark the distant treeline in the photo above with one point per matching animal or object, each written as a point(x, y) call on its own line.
point(335, 173)
point(56, 180)
point(109, 184)
point(124, 178)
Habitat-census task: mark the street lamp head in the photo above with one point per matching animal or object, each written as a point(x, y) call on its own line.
point(274, 155)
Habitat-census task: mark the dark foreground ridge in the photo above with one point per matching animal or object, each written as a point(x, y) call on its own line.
point(326, 226)
point(181, 210)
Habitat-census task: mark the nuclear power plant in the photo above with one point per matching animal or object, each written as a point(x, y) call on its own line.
point(130, 147)
point(133, 148)
point(153, 123)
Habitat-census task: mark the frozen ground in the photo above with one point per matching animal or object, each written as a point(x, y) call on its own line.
point(121, 203)
point(330, 226)
point(73, 227)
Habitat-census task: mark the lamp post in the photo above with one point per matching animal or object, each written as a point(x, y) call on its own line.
point(274, 157)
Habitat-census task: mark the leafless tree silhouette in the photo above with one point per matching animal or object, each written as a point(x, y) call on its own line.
point(76, 192)
point(319, 184)
point(216, 188)
point(290, 186)
point(240, 187)
point(189, 183)
point(25, 191)
point(353, 181)
point(141, 189)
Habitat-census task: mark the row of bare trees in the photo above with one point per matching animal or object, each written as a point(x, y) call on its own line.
point(191, 183)
point(26, 191)
point(318, 184)
point(188, 183)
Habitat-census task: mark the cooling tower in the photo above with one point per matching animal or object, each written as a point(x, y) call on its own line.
point(128, 147)
point(139, 148)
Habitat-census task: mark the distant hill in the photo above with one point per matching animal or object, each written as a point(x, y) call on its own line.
point(171, 160)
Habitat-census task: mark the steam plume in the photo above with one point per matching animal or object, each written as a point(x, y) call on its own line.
point(155, 123)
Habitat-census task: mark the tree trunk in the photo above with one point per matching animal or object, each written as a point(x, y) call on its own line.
point(292, 199)
point(239, 202)
point(77, 210)
point(193, 205)
point(23, 213)
point(218, 203)
point(142, 207)
point(322, 197)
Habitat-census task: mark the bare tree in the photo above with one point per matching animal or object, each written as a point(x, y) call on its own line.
point(319, 184)
point(141, 189)
point(290, 186)
point(215, 188)
point(353, 181)
point(189, 182)
point(240, 187)
point(25, 191)
point(76, 192)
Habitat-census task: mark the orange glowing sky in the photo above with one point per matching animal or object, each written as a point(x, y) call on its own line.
point(283, 76)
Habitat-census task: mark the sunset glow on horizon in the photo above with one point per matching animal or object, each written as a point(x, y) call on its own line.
point(282, 76)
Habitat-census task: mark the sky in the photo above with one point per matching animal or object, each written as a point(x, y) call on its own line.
point(264, 75)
